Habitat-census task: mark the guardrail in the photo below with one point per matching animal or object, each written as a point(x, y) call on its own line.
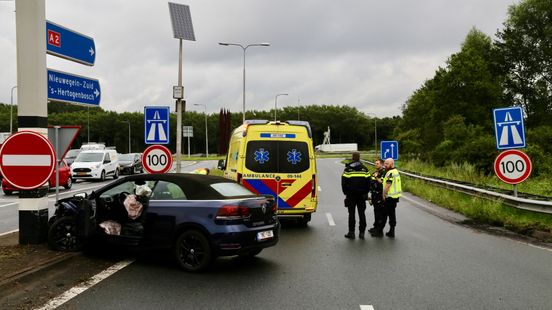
point(517, 202)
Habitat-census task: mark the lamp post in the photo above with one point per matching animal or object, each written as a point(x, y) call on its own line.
point(244, 49)
point(298, 108)
point(206, 132)
point(128, 122)
point(11, 108)
point(276, 104)
point(375, 134)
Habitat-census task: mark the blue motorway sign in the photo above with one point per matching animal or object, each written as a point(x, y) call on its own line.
point(66, 87)
point(69, 44)
point(509, 128)
point(389, 149)
point(156, 125)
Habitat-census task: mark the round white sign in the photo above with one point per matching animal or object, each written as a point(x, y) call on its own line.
point(512, 166)
point(157, 159)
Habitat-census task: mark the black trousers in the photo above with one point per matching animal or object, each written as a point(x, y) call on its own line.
point(379, 212)
point(357, 202)
point(389, 206)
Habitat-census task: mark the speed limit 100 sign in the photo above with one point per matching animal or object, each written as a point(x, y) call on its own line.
point(512, 166)
point(157, 159)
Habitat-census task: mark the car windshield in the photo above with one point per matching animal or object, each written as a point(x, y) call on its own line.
point(229, 189)
point(126, 157)
point(72, 153)
point(89, 157)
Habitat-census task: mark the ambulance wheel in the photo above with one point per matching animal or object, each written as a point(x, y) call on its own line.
point(305, 219)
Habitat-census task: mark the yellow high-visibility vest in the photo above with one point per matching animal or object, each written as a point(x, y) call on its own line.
point(395, 190)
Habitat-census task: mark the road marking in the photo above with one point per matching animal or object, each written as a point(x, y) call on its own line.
point(80, 288)
point(9, 204)
point(330, 219)
point(319, 188)
point(366, 307)
point(8, 232)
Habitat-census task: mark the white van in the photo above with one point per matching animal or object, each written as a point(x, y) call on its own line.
point(96, 164)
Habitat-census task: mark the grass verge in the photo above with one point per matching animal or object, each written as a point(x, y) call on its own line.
point(481, 210)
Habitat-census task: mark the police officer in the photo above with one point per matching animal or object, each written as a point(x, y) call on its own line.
point(355, 182)
point(391, 193)
point(376, 199)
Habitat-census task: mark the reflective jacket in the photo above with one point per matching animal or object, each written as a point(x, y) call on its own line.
point(394, 177)
point(355, 179)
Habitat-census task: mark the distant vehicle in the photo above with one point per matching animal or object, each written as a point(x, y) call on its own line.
point(337, 147)
point(92, 146)
point(130, 163)
point(71, 155)
point(96, 164)
point(64, 180)
point(275, 158)
point(199, 217)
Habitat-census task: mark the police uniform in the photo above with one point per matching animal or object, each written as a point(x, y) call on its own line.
point(376, 199)
point(355, 183)
point(393, 178)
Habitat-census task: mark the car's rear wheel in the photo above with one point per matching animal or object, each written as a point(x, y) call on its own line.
point(192, 251)
point(116, 174)
point(7, 192)
point(62, 235)
point(69, 183)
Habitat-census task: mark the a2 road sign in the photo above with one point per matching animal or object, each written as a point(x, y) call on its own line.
point(69, 44)
point(157, 159)
point(512, 166)
point(27, 159)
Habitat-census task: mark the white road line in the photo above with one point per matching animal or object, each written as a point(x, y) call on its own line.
point(80, 288)
point(319, 188)
point(366, 307)
point(330, 219)
point(8, 232)
point(9, 204)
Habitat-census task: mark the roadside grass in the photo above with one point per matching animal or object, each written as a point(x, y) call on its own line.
point(216, 171)
point(481, 210)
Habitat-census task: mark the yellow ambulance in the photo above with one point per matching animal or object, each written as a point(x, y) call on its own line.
point(275, 158)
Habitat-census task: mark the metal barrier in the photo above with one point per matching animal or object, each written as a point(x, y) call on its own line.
point(517, 202)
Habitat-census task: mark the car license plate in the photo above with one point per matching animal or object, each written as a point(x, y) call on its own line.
point(81, 173)
point(263, 235)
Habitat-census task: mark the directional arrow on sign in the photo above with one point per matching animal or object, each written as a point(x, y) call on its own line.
point(71, 88)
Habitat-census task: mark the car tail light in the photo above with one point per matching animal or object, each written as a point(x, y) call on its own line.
point(233, 213)
point(313, 191)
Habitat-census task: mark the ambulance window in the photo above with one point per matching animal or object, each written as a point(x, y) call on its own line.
point(277, 156)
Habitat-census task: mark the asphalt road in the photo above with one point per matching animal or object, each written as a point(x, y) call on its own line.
point(432, 264)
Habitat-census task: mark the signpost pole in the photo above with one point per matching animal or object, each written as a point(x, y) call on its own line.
point(179, 113)
point(58, 159)
point(188, 146)
point(515, 190)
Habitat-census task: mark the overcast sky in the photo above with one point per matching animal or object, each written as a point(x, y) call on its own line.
point(363, 53)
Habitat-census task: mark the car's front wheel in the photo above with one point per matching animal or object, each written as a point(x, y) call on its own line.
point(102, 177)
point(116, 174)
point(192, 251)
point(69, 183)
point(62, 235)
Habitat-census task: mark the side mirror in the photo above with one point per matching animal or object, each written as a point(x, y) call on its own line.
point(221, 164)
point(107, 161)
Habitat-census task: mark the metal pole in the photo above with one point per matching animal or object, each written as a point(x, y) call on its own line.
point(11, 109)
point(243, 95)
point(515, 190)
point(179, 113)
point(206, 135)
point(88, 125)
point(276, 104)
point(58, 159)
point(375, 137)
point(298, 108)
point(188, 146)
point(129, 137)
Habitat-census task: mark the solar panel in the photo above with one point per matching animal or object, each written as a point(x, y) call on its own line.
point(181, 20)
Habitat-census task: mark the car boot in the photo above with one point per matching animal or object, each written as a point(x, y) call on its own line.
point(391, 232)
point(350, 235)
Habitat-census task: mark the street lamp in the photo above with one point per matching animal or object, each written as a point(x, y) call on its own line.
point(375, 134)
point(206, 132)
point(276, 104)
point(11, 108)
point(128, 122)
point(244, 49)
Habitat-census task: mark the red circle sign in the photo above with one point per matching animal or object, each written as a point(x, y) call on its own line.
point(157, 159)
point(27, 159)
point(512, 166)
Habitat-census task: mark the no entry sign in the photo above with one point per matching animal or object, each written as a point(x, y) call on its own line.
point(512, 166)
point(27, 159)
point(157, 159)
